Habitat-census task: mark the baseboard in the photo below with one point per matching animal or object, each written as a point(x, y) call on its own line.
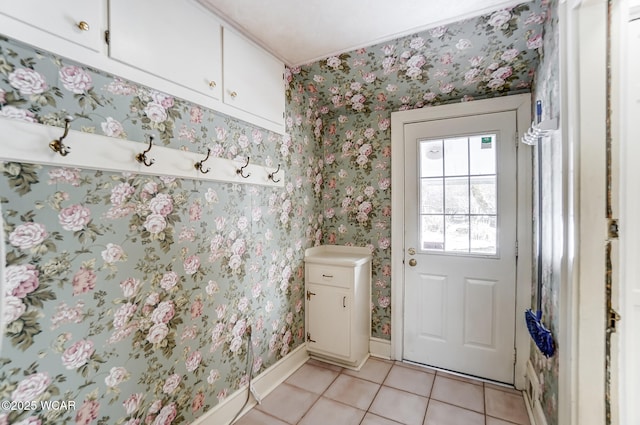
point(267, 381)
point(532, 397)
point(380, 348)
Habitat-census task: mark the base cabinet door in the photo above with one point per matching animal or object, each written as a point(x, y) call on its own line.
point(337, 306)
point(328, 320)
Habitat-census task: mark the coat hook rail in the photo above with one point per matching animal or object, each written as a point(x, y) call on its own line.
point(240, 170)
point(99, 152)
point(271, 175)
point(199, 165)
point(57, 145)
point(142, 156)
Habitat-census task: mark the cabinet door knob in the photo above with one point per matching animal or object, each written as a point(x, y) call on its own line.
point(212, 84)
point(233, 95)
point(83, 26)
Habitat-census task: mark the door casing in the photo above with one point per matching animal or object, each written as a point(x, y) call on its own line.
point(522, 105)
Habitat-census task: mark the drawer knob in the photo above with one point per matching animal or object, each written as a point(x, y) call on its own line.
point(83, 26)
point(212, 84)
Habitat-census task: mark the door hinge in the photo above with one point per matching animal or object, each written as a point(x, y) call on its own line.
point(309, 294)
point(309, 337)
point(515, 355)
point(107, 37)
point(613, 228)
point(614, 318)
point(516, 249)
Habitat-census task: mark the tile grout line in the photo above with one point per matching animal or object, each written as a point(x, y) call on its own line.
point(484, 401)
point(319, 396)
point(377, 392)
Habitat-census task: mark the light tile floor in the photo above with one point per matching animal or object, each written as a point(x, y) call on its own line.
point(386, 393)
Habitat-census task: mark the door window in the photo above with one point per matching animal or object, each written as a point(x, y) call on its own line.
point(458, 205)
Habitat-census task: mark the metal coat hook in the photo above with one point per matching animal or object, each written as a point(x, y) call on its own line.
point(270, 176)
point(240, 170)
point(198, 165)
point(142, 156)
point(57, 145)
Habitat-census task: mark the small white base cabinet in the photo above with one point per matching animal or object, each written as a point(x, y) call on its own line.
point(338, 304)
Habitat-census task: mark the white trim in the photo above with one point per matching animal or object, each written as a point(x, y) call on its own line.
point(532, 398)
point(522, 105)
point(267, 381)
point(629, 370)
point(29, 142)
point(568, 297)
point(380, 348)
point(591, 224)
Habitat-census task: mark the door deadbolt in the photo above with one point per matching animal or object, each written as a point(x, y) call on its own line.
point(413, 262)
point(411, 251)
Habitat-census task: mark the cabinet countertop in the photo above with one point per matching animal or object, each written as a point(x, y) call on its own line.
point(336, 255)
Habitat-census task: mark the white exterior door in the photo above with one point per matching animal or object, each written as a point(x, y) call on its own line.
point(460, 244)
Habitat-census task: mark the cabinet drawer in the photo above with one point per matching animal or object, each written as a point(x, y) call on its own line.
point(330, 275)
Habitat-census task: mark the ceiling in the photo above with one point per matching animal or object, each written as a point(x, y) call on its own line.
point(302, 31)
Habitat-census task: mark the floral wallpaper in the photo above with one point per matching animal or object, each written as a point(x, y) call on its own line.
point(128, 299)
point(133, 295)
point(349, 99)
point(547, 89)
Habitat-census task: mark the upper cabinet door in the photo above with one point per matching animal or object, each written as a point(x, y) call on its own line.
point(253, 79)
point(177, 40)
point(78, 21)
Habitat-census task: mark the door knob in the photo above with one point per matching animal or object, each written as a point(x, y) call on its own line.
point(413, 262)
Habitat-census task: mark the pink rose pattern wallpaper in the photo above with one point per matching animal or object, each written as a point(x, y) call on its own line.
point(349, 99)
point(132, 294)
point(548, 91)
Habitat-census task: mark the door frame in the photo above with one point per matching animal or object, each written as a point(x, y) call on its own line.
point(629, 380)
point(521, 104)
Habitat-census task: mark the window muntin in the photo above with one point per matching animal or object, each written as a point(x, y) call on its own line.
point(458, 195)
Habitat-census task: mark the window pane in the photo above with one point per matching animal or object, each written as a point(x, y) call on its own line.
point(456, 195)
point(456, 233)
point(431, 158)
point(483, 195)
point(456, 157)
point(432, 232)
point(482, 154)
point(483, 234)
point(431, 196)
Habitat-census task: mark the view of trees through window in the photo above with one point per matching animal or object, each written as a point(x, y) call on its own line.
point(458, 188)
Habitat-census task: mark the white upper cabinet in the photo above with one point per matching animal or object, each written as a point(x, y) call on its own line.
point(174, 39)
point(173, 46)
point(253, 78)
point(77, 21)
